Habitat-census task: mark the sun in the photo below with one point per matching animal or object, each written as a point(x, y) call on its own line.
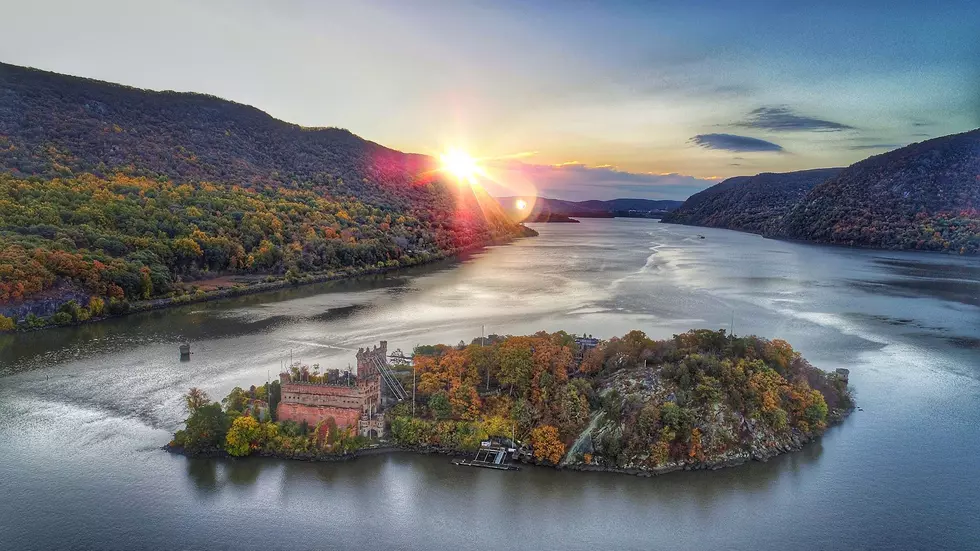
point(461, 165)
point(521, 204)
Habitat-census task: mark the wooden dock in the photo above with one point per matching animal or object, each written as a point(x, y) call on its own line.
point(485, 465)
point(490, 458)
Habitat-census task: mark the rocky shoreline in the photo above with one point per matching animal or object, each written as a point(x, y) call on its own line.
point(794, 443)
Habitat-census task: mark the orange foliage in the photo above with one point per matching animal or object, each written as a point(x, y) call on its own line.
point(696, 449)
point(547, 446)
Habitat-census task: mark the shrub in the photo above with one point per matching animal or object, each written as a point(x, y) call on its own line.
point(61, 318)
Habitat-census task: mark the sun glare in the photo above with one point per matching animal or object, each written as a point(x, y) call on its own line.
point(521, 204)
point(461, 165)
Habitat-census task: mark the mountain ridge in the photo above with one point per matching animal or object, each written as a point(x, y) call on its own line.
point(749, 203)
point(544, 208)
point(119, 194)
point(924, 196)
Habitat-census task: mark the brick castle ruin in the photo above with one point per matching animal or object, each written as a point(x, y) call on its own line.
point(358, 405)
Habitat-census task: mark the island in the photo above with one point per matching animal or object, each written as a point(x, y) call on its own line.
point(703, 399)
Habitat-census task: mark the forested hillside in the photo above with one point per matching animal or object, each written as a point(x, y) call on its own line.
point(749, 203)
point(121, 194)
point(923, 196)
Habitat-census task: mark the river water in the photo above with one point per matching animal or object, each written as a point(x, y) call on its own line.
point(84, 410)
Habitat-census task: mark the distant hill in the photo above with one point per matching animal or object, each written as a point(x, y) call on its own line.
point(749, 203)
point(922, 196)
point(925, 196)
point(543, 208)
point(122, 193)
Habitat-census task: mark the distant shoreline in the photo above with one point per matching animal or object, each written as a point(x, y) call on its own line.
point(822, 243)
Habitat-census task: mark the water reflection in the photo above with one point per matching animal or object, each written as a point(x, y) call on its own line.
point(204, 474)
point(243, 472)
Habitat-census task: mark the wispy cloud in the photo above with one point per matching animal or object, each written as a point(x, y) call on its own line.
point(783, 119)
point(734, 142)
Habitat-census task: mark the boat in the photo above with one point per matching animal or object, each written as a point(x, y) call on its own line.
point(700, 236)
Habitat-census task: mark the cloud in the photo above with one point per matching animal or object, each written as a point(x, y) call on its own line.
point(577, 182)
point(875, 146)
point(733, 142)
point(783, 119)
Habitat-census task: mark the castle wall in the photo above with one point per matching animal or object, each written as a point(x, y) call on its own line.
point(349, 405)
point(344, 417)
point(324, 395)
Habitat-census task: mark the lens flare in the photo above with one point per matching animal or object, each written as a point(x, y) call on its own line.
point(521, 204)
point(461, 165)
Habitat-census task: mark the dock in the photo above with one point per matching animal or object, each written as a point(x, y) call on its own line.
point(489, 457)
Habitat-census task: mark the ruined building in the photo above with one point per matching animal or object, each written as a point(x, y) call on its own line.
point(358, 405)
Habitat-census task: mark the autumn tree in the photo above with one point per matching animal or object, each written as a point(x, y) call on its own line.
point(242, 436)
point(195, 398)
point(547, 446)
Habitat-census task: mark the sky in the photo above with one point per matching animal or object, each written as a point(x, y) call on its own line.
point(569, 99)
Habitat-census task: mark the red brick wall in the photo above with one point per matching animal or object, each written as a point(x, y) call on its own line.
point(314, 414)
point(324, 390)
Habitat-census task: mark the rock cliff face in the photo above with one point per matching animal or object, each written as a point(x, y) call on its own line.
point(650, 411)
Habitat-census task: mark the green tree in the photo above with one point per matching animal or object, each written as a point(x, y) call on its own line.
point(440, 406)
point(205, 430)
point(146, 283)
point(236, 400)
point(6, 324)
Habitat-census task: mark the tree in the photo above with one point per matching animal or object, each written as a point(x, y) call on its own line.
point(195, 399)
point(205, 429)
point(146, 283)
point(236, 400)
point(96, 306)
point(242, 436)
point(6, 324)
point(516, 365)
point(696, 450)
point(275, 394)
point(440, 406)
point(547, 446)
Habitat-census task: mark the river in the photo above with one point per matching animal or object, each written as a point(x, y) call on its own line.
point(84, 410)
